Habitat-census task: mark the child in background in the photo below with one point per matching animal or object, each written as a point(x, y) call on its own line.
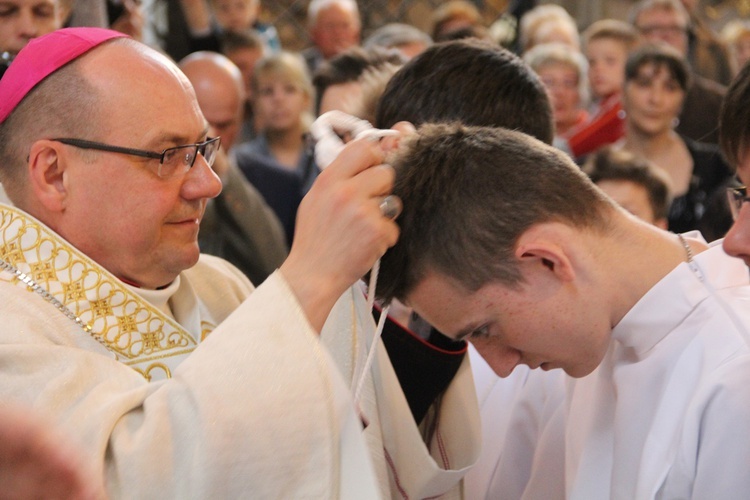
point(245, 49)
point(239, 16)
point(636, 184)
point(208, 22)
point(607, 44)
point(282, 101)
point(736, 34)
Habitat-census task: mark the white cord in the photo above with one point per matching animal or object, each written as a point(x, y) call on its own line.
point(327, 147)
point(378, 332)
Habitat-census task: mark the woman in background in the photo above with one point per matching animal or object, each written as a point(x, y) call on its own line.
point(656, 81)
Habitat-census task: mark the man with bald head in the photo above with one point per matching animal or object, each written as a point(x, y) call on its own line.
point(238, 225)
point(220, 92)
point(334, 26)
point(154, 360)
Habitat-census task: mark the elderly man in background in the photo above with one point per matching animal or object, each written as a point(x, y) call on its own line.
point(333, 26)
point(238, 225)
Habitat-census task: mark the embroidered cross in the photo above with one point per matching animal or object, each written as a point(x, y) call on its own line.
point(73, 291)
point(127, 324)
point(150, 341)
point(43, 272)
point(11, 254)
point(101, 307)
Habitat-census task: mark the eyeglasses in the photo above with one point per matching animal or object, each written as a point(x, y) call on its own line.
point(172, 161)
point(737, 196)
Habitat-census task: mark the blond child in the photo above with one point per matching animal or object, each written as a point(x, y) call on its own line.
point(607, 44)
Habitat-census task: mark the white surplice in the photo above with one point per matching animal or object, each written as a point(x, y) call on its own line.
point(514, 411)
point(666, 413)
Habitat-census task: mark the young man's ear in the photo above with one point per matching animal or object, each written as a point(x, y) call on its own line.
point(545, 247)
point(47, 175)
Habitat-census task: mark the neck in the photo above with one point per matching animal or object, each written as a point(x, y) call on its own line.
point(564, 126)
point(632, 243)
point(648, 145)
point(286, 147)
point(287, 139)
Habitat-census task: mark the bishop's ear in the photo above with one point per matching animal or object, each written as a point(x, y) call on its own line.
point(545, 248)
point(47, 174)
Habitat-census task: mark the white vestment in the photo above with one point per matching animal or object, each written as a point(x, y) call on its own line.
point(513, 412)
point(404, 465)
point(666, 413)
point(255, 409)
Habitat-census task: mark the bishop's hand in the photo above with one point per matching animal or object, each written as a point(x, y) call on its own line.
point(341, 230)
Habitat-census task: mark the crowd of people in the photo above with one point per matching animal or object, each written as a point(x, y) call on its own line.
point(554, 230)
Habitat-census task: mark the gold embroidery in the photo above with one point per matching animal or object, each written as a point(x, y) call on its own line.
point(43, 272)
point(12, 254)
point(150, 342)
point(123, 322)
point(206, 328)
point(101, 307)
point(127, 324)
point(156, 366)
point(73, 292)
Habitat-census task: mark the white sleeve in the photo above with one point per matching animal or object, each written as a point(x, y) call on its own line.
point(257, 409)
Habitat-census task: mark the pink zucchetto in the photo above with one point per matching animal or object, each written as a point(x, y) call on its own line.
point(43, 56)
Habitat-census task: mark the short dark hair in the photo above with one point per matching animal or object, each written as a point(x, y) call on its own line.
point(235, 40)
point(609, 164)
point(350, 65)
point(469, 193)
point(660, 56)
point(471, 81)
point(734, 120)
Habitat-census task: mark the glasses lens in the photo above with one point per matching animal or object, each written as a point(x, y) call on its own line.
point(209, 149)
point(737, 197)
point(177, 160)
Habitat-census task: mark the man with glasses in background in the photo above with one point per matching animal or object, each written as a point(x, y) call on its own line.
point(158, 362)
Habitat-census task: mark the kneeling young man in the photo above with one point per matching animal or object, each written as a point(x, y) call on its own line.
point(504, 241)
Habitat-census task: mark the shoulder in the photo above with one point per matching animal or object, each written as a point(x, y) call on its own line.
point(214, 275)
point(707, 159)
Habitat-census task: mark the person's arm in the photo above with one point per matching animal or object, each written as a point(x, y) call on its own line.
point(344, 201)
point(37, 461)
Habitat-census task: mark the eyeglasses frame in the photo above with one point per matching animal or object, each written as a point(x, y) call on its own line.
point(100, 146)
point(737, 196)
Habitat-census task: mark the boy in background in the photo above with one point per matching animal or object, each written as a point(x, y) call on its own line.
point(607, 44)
point(637, 185)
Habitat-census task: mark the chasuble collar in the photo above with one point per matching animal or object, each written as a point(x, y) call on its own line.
point(136, 333)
